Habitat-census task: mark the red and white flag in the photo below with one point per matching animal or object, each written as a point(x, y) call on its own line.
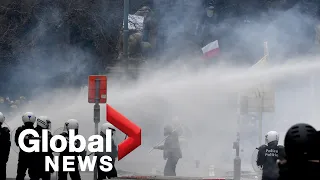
point(211, 50)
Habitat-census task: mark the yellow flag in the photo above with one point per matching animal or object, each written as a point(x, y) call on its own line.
point(264, 60)
point(264, 89)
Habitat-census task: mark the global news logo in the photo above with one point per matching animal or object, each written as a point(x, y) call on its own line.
point(31, 142)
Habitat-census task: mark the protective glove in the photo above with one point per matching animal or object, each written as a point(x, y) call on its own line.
point(283, 169)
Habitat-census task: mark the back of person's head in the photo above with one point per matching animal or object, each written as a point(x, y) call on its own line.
point(168, 129)
point(301, 148)
point(272, 137)
point(299, 142)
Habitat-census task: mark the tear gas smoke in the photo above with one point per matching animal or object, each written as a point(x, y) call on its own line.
point(205, 101)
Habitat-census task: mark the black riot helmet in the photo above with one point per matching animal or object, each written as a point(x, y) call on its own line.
point(299, 142)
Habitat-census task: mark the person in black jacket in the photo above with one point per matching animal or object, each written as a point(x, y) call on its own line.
point(113, 154)
point(171, 150)
point(5, 148)
point(75, 175)
point(268, 155)
point(40, 157)
point(25, 158)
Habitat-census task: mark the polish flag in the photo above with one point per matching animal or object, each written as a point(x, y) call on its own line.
point(211, 50)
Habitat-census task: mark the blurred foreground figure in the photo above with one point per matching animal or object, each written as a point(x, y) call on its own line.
point(113, 154)
point(269, 154)
point(74, 175)
point(25, 159)
point(302, 147)
point(39, 157)
point(5, 148)
point(171, 150)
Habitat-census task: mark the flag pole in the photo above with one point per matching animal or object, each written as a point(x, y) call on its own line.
point(261, 95)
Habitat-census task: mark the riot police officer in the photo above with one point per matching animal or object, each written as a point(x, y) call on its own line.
point(302, 147)
point(25, 158)
point(74, 175)
point(113, 154)
point(5, 148)
point(269, 154)
point(38, 166)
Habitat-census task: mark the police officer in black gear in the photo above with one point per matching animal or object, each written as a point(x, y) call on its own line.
point(302, 147)
point(171, 151)
point(75, 175)
point(113, 154)
point(5, 148)
point(40, 157)
point(25, 159)
point(268, 155)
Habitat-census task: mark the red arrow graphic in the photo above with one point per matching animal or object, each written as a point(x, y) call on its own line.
point(126, 126)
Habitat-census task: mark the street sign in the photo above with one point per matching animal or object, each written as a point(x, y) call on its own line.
point(97, 83)
point(97, 93)
point(126, 126)
point(261, 99)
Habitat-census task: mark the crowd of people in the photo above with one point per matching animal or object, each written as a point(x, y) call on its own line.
point(34, 162)
point(299, 158)
point(10, 106)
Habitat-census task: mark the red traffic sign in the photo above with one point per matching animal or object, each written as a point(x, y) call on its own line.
point(92, 86)
point(126, 126)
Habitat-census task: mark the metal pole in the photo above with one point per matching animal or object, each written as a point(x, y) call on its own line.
point(261, 118)
point(236, 145)
point(125, 31)
point(96, 117)
point(261, 95)
point(237, 159)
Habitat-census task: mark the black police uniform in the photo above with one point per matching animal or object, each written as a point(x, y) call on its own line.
point(39, 160)
point(63, 175)
point(25, 159)
point(4, 151)
point(113, 154)
point(267, 159)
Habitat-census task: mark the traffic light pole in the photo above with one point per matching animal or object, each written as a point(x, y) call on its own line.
point(96, 118)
